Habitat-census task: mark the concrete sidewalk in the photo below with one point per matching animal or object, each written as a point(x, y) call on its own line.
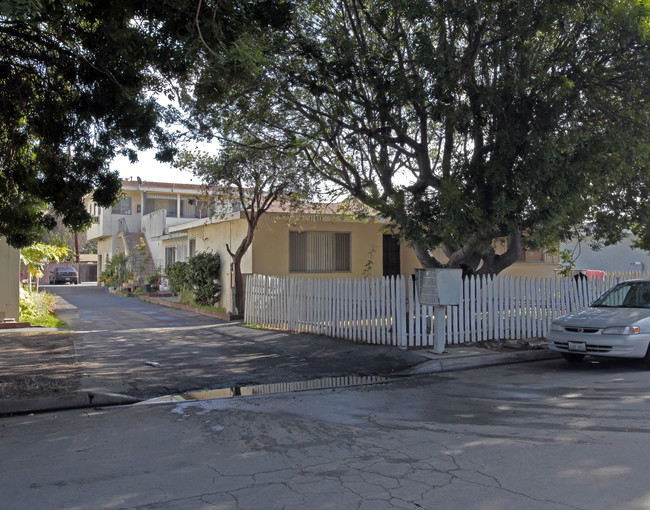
point(465, 357)
point(455, 357)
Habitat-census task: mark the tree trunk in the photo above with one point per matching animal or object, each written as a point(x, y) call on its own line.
point(239, 283)
point(425, 258)
point(494, 264)
point(472, 262)
point(237, 256)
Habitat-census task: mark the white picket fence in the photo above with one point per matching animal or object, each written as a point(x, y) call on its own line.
point(386, 310)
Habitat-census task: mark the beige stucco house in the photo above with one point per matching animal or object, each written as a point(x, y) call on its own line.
point(315, 245)
point(10, 277)
point(175, 222)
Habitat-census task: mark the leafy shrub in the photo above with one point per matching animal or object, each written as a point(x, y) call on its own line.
point(115, 273)
point(203, 275)
point(177, 274)
point(36, 305)
point(196, 280)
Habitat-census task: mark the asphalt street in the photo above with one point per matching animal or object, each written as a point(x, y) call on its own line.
point(115, 336)
point(538, 435)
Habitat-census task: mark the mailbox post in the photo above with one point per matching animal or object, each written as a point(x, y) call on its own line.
point(439, 288)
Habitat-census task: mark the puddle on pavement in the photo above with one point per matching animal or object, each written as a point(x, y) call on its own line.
point(284, 387)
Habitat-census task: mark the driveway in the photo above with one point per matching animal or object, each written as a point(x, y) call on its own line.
point(114, 336)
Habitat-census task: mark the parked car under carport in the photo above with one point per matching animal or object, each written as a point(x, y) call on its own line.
point(64, 275)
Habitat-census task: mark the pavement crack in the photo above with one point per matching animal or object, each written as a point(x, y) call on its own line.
point(501, 487)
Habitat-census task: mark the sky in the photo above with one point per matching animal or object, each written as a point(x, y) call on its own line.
point(148, 169)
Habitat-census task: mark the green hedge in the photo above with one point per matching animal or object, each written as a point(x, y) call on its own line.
point(200, 275)
point(176, 273)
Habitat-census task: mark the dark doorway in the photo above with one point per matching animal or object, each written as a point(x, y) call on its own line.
point(391, 256)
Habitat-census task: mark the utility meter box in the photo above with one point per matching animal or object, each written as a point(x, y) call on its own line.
point(438, 287)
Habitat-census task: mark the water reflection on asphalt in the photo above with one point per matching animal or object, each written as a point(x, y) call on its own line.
point(282, 387)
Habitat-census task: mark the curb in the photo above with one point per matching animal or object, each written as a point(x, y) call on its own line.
point(33, 330)
point(78, 400)
point(478, 361)
point(171, 304)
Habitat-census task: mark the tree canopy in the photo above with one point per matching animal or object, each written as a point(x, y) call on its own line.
point(71, 95)
point(78, 85)
point(253, 177)
point(465, 122)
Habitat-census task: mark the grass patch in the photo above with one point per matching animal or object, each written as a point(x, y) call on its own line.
point(186, 297)
point(253, 326)
point(48, 321)
point(217, 309)
point(38, 309)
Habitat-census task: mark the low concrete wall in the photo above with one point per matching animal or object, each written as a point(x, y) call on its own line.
point(10, 278)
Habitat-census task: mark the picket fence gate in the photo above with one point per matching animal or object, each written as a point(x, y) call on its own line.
point(386, 310)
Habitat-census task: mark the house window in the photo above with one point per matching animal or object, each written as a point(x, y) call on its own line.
point(319, 252)
point(194, 208)
point(192, 247)
point(158, 202)
point(122, 207)
point(170, 255)
point(181, 252)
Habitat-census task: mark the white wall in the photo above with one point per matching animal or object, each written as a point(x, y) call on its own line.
point(619, 257)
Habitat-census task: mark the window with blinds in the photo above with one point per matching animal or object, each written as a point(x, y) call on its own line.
point(319, 252)
point(170, 255)
point(157, 202)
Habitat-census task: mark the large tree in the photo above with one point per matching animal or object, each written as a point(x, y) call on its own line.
point(71, 94)
point(78, 85)
point(253, 177)
point(467, 123)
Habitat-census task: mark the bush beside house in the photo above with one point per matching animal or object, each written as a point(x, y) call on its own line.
point(197, 280)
